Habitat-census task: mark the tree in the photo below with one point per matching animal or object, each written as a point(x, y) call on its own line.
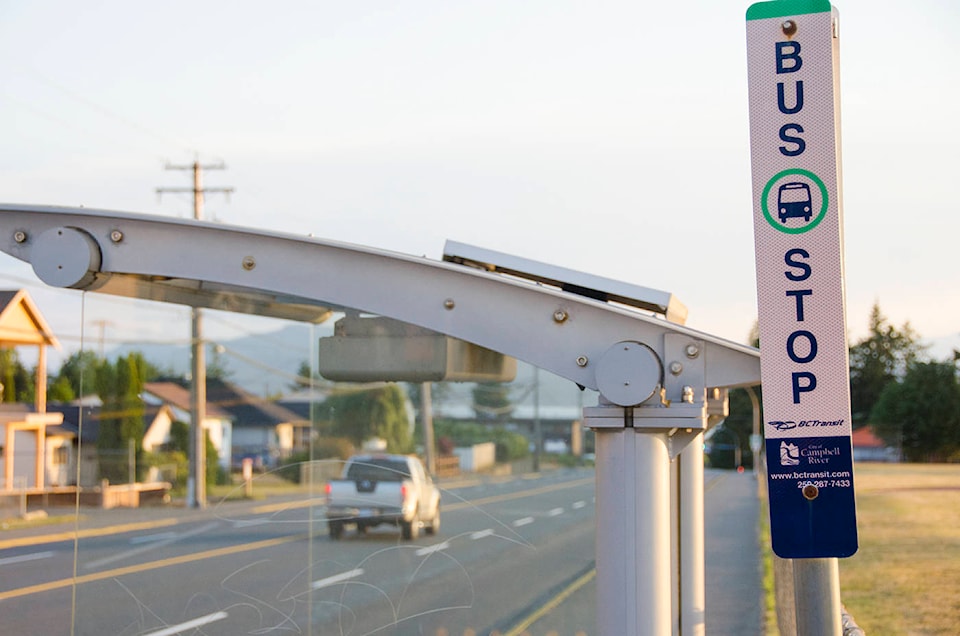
point(17, 381)
point(80, 370)
point(876, 361)
point(380, 412)
point(921, 413)
point(119, 386)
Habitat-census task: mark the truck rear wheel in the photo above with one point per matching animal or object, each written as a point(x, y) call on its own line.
point(434, 525)
point(410, 530)
point(336, 530)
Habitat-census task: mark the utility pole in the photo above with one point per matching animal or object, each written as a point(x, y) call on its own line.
point(196, 482)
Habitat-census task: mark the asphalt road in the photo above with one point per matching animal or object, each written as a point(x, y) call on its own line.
point(514, 555)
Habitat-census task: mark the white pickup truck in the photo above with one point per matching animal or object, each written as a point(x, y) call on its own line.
point(378, 488)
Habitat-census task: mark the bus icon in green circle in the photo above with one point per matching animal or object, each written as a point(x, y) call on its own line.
point(793, 192)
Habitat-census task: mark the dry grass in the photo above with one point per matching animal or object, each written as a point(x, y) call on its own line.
point(905, 579)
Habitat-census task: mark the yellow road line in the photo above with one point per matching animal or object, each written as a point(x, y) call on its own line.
point(474, 503)
point(552, 604)
point(145, 567)
point(88, 532)
point(288, 505)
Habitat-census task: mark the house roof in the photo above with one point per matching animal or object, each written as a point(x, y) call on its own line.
point(865, 438)
point(178, 396)
point(21, 322)
point(245, 409)
point(91, 419)
point(249, 410)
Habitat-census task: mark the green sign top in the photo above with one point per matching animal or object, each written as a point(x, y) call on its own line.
point(783, 8)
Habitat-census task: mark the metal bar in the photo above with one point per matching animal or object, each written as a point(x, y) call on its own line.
point(816, 588)
point(691, 539)
point(241, 269)
point(633, 532)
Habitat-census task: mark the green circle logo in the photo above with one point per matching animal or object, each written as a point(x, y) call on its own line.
point(794, 201)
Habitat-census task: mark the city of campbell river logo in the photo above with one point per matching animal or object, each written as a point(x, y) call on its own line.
point(789, 454)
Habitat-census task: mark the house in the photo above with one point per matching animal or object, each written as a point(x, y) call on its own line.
point(867, 447)
point(240, 423)
point(27, 456)
point(262, 429)
point(81, 428)
point(173, 401)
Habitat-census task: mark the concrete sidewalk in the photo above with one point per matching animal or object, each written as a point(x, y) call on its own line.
point(733, 572)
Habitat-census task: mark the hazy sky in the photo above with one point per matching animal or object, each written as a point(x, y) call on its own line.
point(609, 137)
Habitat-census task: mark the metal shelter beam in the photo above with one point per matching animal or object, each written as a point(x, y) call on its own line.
point(280, 275)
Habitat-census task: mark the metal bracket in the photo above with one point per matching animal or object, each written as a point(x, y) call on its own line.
point(680, 422)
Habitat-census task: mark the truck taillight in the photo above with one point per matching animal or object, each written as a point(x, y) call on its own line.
point(403, 493)
point(326, 491)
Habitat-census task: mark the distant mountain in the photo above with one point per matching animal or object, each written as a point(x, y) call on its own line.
point(264, 364)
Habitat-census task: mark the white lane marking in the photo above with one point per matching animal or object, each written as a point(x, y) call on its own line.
point(577, 505)
point(430, 549)
point(34, 556)
point(245, 523)
point(160, 536)
point(523, 522)
point(195, 623)
point(337, 578)
point(556, 512)
point(150, 546)
point(481, 534)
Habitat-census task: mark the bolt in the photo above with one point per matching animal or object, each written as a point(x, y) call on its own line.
point(559, 316)
point(449, 304)
point(19, 236)
point(248, 263)
point(692, 350)
point(810, 492)
point(676, 368)
point(116, 236)
point(688, 394)
point(789, 27)
point(582, 361)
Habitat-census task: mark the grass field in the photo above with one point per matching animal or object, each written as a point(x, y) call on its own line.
point(905, 579)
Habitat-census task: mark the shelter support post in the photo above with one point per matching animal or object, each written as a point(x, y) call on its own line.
point(635, 585)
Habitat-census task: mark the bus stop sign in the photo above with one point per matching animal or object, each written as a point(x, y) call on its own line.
point(792, 48)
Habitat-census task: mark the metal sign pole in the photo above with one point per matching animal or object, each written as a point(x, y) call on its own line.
point(816, 590)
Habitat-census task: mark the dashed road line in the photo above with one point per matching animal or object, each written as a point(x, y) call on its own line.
point(190, 625)
point(35, 556)
point(433, 548)
point(337, 578)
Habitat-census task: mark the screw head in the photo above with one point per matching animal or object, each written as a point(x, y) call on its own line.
point(248, 263)
point(449, 304)
point(810, 492)
point(560, 316)
point(692, 350)
point(676, 368)
point(20, 236)
point(116, 236)
point(582, 361)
